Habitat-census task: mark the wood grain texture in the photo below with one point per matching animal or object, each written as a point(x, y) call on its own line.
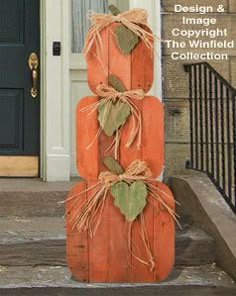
point(77, 243)
point(164, 238)
point(112, 61)
point(142, 67)
point(105, 257)
point(97, 62)
point(119, 257)
point(99, 246)
point(19, 166)
point(87, 155)
point(89, 161)
point(119, 64)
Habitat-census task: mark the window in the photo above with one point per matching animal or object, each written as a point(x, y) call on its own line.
point(80, 22)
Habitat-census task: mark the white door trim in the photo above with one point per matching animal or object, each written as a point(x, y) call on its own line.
point(55, 103)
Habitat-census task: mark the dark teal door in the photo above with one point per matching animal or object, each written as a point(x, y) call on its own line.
point(19, 110)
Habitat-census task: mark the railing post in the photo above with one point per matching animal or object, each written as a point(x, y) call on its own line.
point(234, 141)
point(188, 68)
point(206, 117)
point(229, 148)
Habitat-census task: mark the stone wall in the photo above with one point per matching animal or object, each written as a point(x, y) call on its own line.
point(175, 79)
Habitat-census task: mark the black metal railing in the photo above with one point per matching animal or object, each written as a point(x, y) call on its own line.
point(212, 102)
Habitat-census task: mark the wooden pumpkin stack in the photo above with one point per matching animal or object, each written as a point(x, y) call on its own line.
point(129, 228)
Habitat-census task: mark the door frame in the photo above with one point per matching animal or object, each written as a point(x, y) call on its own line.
point(55, 139)
point(55, 83)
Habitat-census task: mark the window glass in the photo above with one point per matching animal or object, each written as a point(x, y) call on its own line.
point(80, 22)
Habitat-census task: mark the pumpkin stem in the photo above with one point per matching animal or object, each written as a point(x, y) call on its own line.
point(114, 10)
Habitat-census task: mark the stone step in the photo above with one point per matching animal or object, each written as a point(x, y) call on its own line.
point(35, 198)
point(54, 281)
point(41, 241)
point(32, 197)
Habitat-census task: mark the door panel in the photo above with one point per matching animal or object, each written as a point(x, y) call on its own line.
point(11, 120)
point(19, 111)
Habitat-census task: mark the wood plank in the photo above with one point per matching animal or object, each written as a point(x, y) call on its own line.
point(164, 235)
point(128, 155)
point(153, 134)
point(119, 64)
point(120, 270)
point(152, 145)
point(99, 246)
point(76, 243)
point(141, 272)
point(142, 66)
point(104, 144)
point(86, 133)
point(98, 62)
point(119, 257)
point(19, 166)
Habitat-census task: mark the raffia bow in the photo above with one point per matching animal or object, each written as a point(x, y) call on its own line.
point(132, 19)
point(89, 214)
point(108, 96)
point(136, 171)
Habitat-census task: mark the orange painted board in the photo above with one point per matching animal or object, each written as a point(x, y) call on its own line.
point(142, 66)
point(110, 60)
point(99, 245)
point(76, 244)
point(140, 272)
point(87, 125)
point(164, 239)
point(97, 62)
point(119, 256)
point(152, 144)
point(116, 226)
point(107, 257)
point(119, 64)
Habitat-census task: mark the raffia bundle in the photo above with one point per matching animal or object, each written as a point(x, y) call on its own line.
point(134, 19)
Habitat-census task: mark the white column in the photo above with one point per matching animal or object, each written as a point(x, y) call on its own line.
point(55, 138)
point(154, 9)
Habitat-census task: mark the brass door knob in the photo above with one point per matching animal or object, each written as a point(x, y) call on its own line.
point(33, 65)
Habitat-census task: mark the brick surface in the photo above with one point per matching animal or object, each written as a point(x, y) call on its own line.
point(177, 121)
point(232, 6)
point(233, 71)
point(175, 83)
point(168, 5)
point(171, 21)
point(176, 156)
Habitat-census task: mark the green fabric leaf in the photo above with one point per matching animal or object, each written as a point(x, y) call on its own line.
point(113, 165)
point(115, 82)
point(114, 10)
point(112, 116)
point(126, 39)
point(131, 200)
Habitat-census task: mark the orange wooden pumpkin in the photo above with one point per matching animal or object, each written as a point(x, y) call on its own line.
point(105, 257)
point(89, 157)
point(135, 70)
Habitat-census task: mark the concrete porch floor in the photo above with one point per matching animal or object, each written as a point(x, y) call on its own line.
point(26, 197)
point(35, 184)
